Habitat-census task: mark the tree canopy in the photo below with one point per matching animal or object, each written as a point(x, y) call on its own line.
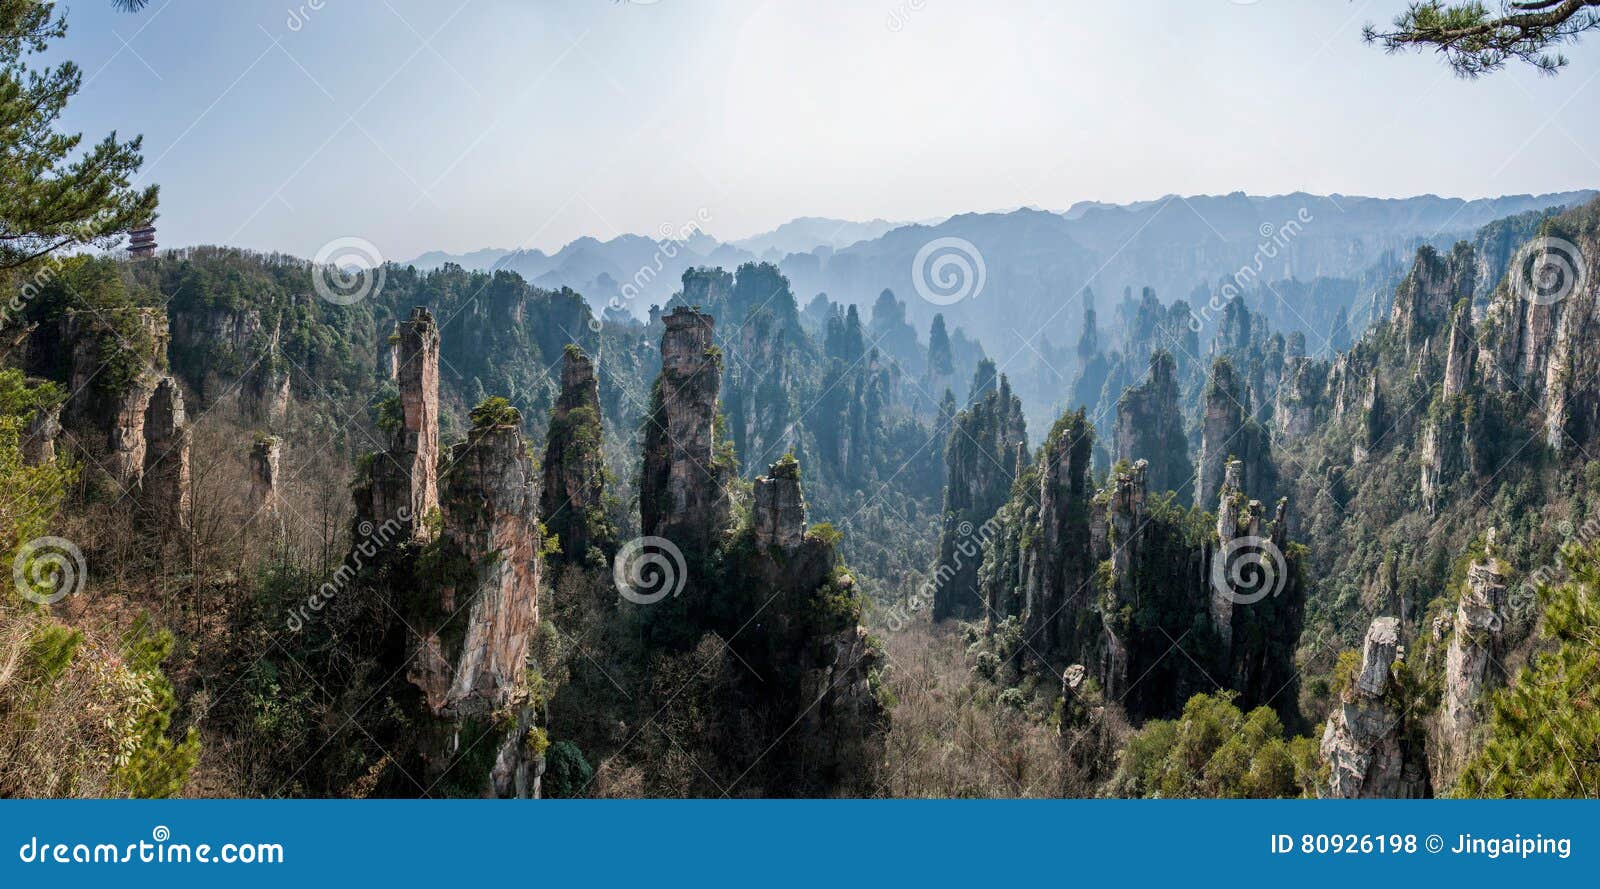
point(56, 196)
point(1476, 40)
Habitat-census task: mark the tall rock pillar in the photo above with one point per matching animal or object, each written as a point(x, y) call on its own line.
point(574, 470)
point(402, 484)
point(165, 483)
point(473, 641)
point(682, 494)
point(1365, 743)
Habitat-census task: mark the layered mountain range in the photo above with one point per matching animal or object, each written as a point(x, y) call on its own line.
point(1302, 257)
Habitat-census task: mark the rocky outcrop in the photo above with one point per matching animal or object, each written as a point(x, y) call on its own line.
point(1376, 424)
point(1433, 465)
point(1237, 517)
point(1295, 409)
point(165, 492)
point(841, 709)
point(1111, 579)
point(1125, 537)
point(1150, 427)
point(1059, 583)
point(1434, 285)
point(264, 458)
point(114, 367)
point(1463, 352)
point(1539, 331)
point(490, 518)
point(1472, 665)
point(264, 391)
point(38, 444)
point(682, 488)
point(1366, 745)
point(1226, 431)
point(416, 446)
point(473, 640)
point(401, 483)
point(755, 400)
point(572, 498)
point(780, 507)
point(809, 635)
point(978, 459)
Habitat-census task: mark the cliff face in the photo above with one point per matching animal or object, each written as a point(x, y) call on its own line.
point(1537, 330)
point(756, 400)
point(1299, 405)
point(38, 444)
point(1237, 517)
point(1463, 353)
point(1425, 297)
point(264, 391)
point(572, 499)
point(490, 517)
point(1150, 427)
point(114, 366)
point(780, 507)
point(1366, 744)
point(682, 486)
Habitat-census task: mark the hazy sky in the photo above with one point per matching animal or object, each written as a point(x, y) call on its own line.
point(459, 124)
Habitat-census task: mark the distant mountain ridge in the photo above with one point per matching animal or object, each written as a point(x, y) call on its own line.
point(807, 233)
point(1039, 262)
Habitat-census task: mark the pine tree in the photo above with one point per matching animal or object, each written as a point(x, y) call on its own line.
point(55, 195)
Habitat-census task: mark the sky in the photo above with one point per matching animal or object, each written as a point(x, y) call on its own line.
point(461, 124)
